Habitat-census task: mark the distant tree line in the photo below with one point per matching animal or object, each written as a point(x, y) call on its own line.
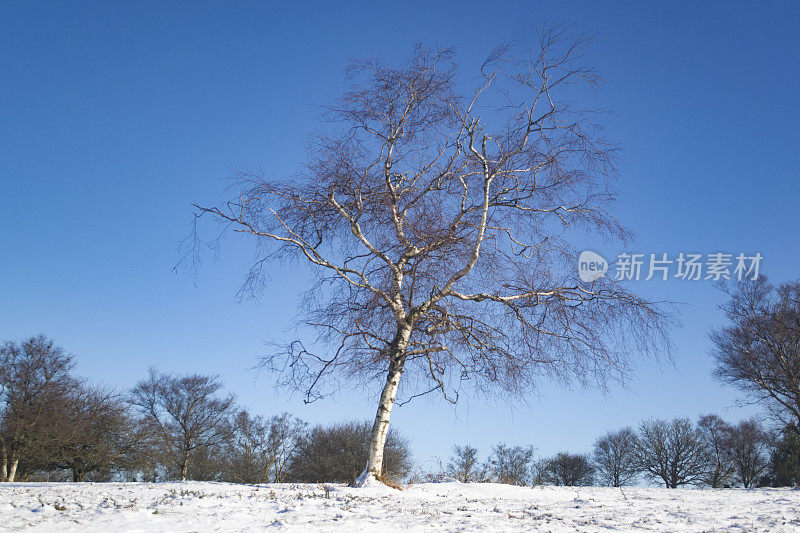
point(673, 452)
point(55, 426)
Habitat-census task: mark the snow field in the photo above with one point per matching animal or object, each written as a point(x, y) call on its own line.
point(201, 506)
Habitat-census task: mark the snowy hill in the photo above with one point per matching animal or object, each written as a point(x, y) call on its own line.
point(197, 506)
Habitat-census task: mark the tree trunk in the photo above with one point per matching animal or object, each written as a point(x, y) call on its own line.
point(4, 471)
point(12, 471)
point(185, 467)
point(373, 472)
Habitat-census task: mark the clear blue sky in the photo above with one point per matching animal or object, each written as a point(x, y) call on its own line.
point(115, 116)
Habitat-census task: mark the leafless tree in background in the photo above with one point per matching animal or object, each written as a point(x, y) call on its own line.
point(186, 413)
point(439, 220)
point(672, 451)
point(615, 457)
point(248, 460)
point(716, 435)
point(569, 470)
point(759, 352)
point(539, 471)
point(34, 386)
point(284, 439)
point(262, 450)
point(749, 450)
point(785, 458)
point(100, 433)
point(147, 457)
point(511, 464)
point(464, 465)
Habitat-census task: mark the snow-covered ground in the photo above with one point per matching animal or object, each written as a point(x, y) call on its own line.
point(197, 506)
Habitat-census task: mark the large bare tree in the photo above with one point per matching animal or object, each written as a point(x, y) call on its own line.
point(439, 213)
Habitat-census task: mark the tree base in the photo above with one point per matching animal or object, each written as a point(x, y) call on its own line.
point(368, 479)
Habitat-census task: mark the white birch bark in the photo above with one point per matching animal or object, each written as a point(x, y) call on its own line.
point(12, 472)
point(4, 471)
point(373, 472)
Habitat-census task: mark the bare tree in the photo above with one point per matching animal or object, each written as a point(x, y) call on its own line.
point(147, 459)
point(716, 435)
point(99, 433)
point(785, 458)
point(262, 450)
point(439, 224)
point(748, 445)
point(570, 470)
point(672, 451)
point(511, 464)
point(34, 385)
point(539, 473)
point(283, 443)
point(186, 412)
point(615, 457)
point(759, 351)
point(207, 463)
point(464, 465)
point(248, 460)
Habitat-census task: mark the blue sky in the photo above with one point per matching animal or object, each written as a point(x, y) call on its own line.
point(114, 117)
